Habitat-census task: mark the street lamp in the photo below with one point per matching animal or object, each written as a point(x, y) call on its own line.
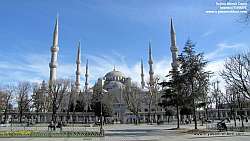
point(101, 128)
point(11, 122)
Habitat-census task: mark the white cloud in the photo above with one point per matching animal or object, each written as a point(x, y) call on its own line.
point(216, 67)
point(224, 49)
point(100, 65)
point(207, 33)
point(31, 68)
point(218, 56)
point(35, 68)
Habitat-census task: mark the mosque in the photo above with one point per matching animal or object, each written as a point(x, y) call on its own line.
point(115, 81)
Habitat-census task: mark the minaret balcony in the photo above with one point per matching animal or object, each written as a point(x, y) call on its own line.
point(174, 65)
point(174, 49)
point(78, 73)
point(151, 72)
point(52, 65)
point(54, 49)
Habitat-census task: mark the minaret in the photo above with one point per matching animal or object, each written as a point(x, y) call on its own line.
point(173, 47)
point(54, 52)
point(78, 63)
point(150, 62)
point(86, 76)
point(142, 76)
point(43, 86)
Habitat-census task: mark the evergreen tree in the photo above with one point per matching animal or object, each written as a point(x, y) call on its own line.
point(194, 76)
point(171, 97)
point(188, 86)
point(102, 102)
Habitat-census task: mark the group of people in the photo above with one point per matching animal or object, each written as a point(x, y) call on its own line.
point(53, 126)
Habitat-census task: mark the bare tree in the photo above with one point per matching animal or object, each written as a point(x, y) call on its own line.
point(71, 100)
point(237, 73)
point(217, 97)
point(152, 98)
point(39, 98)
point(57, 91)
point(132, 97)
point(231, 100)
point(23, 100)
point(6, 96)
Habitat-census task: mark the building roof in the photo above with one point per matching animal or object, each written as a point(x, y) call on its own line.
point(114, 75)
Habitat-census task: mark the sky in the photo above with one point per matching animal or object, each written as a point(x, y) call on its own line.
point(112, 33)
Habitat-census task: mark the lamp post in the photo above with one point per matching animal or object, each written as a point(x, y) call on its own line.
point(120, 106)
point(11, 122)
point(101, 127)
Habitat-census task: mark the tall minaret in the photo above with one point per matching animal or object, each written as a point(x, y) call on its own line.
point(173, 47)
point(150, 62)
point(78, 63)
point(54, 52)
point(142, 76)
point(86, 76)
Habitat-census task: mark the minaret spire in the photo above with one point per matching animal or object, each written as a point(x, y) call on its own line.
point(55, 37)
point(173, 47)
point(78, 66)
point(54, 52)
point(86, 76)
point(142, 76)
point(150, 62)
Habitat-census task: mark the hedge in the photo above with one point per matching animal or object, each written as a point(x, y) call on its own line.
point(29, 133)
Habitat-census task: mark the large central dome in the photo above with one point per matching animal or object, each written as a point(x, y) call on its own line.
point(114, 76)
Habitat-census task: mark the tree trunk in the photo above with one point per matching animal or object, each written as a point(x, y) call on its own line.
point(20, 113)
point(194, 107)
point(218, 112)
point(195, 120)
point(54, 115)
point(37, 116)
point(54, 111)
point(242, 121)
point(235, 120)
point(178, 117)
point(5, 115)
point(206, 113)
point(149, 112)
point(234, 116)
point(20, 117)
point(137, 117)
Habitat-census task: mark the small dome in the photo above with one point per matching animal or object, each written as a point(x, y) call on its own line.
point(114, 76)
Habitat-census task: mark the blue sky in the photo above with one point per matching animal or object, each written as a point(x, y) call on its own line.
point(112, 32)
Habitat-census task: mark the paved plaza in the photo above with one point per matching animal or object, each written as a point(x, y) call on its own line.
point(143, 132)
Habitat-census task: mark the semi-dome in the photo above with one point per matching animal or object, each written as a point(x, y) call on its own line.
point(114, 76)
point(113, 85)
